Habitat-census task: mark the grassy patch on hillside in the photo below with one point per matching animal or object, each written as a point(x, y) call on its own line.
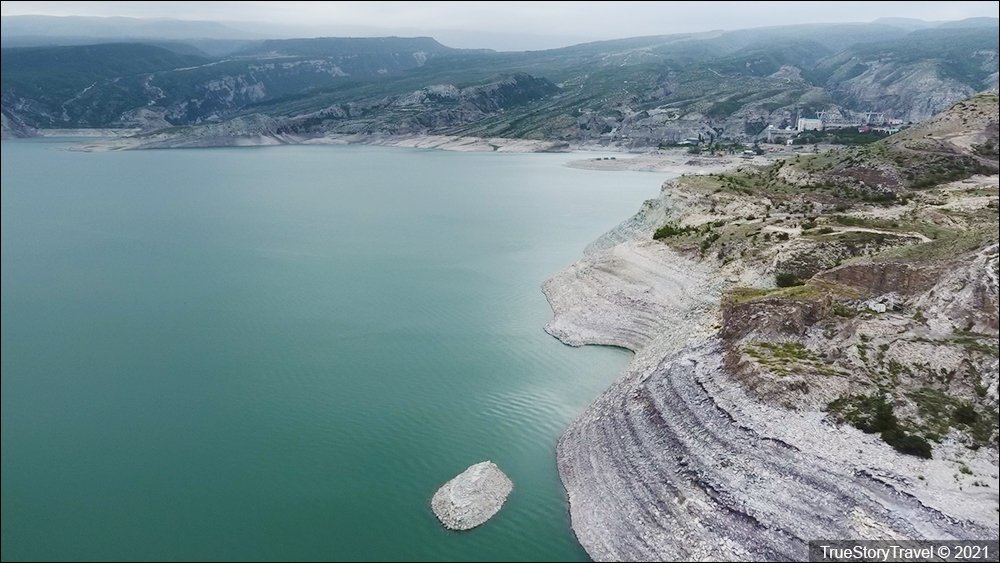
point(950, 244)
point(875, 414)
point(787, 358)
point(939, 412)
point(811, 290)
point(671, 230)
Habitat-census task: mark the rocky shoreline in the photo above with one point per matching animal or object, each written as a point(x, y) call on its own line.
point(116, 140)
point(675, 461)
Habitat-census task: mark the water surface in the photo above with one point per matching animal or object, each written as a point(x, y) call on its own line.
point(281, 353)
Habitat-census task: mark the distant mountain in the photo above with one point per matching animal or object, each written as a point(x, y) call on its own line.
point(188, 37)
point(915, 76)
point(970, 23)
point(119, 28)
point(82, 85)
point(344, 46)
point(641, 91)
point(905, 23)
point(914, 23)
point(104, 85)
point(37, 31)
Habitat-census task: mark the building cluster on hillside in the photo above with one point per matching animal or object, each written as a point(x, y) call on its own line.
point(872, 122)
point(832, 127)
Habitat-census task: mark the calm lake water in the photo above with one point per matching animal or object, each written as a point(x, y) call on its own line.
point(281, 353)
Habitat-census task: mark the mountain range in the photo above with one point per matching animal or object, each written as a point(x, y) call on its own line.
point(636, 92)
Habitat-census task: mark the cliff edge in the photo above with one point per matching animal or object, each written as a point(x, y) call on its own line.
point(815, 358)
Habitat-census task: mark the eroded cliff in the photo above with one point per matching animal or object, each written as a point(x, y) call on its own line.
point(857, 399)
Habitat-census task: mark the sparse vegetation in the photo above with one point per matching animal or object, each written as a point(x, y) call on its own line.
point(906, 443)
point(849, 136)
point(875, 414)
point(989, 149)
point(965, 414)
point(786, 279)
point(670, 230)
point(706, 243)
point(842, 310)
point(939, 412)
point(914, 397)
point(786, 358)
point(976, 343)
point(746, 294)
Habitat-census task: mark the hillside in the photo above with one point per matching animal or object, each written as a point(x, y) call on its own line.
point(106, 85)
point(638, 92)
point(815, 353)
point(889, 265)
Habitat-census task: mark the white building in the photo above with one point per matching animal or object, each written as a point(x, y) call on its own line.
point(805, 124)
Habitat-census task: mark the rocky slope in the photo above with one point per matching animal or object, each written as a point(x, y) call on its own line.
point(632, 93)
point(392, 120)
point(915, 76)
point(859, 403)
point(105, 85)
point(12, 126)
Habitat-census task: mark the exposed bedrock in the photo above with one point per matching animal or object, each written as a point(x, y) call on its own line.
point(656, 470)
point(675, 462)
point(472, 497)
point(630, 295)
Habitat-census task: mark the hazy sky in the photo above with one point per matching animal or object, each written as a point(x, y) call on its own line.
point(559, 22)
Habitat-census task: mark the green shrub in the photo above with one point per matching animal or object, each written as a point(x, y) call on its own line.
point(874, 414)
point(706, 243)
point(842, 310)
point(989, 149)
point(670, 230)
point(786, 279)
point(883, 419)
point(869, 413)
point(907, 443)
point(965, 414)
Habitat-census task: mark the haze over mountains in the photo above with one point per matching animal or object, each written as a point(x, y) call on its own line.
point(634, 92)
point(27, 31)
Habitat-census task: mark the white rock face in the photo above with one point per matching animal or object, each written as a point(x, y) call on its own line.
point(472, 497)
point(676, 461)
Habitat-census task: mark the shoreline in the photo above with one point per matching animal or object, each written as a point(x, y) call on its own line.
point(641, 159)
point(673, 161)
point(676, 461)
point(104, 132)
point(121, 139)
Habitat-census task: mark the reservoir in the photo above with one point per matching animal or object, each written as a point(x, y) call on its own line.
point(282, 352)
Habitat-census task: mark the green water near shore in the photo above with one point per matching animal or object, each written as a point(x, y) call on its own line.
point(281, 353)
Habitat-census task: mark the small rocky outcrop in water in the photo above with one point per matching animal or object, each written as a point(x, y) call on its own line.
point(472, 497)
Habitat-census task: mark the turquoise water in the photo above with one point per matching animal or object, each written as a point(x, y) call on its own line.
point(281, 353)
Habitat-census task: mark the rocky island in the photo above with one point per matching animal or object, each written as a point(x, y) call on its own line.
point(472, 497)
point(815, 354)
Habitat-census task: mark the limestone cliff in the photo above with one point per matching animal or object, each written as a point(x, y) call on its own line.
point(856, 401)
